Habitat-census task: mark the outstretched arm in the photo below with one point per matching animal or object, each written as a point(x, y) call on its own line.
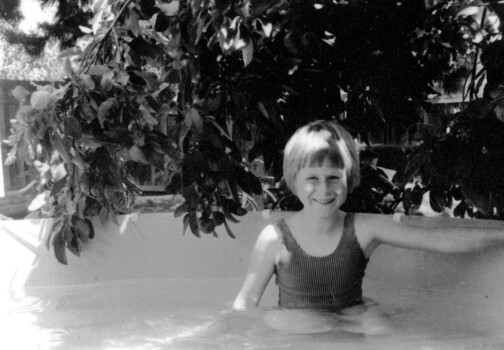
point(261, 269)
point(446, 235)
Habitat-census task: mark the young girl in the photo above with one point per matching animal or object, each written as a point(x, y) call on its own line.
point(319, 254)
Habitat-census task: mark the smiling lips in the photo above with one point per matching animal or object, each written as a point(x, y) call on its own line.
point(324, 201)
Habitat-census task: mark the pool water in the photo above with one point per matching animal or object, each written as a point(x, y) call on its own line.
point(172, 314)
point(141, 286)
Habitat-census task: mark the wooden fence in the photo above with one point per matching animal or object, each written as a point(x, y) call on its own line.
point(14, 176)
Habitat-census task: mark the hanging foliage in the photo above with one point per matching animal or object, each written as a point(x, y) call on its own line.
point(199, 88)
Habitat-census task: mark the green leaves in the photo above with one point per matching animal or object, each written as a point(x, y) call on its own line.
point(69, 233)
point(193, 117)
point(170, 8)
point(86, 82)
point(194, 224)
point(205, 208)
point(145, 48)
point(248, 182)
point(72, 127)
point(248, 54)
point(11, 156)
point(206, 222)
point(181, 209)
point(468, 11)
point(258, 7)
point(105, 108)
point(40, 99)
point(61, 148)
point(59, 244)
point(38, 201)
point(20, 93)
point(132, 22)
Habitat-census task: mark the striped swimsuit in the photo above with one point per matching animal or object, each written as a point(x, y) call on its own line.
point(331, 282)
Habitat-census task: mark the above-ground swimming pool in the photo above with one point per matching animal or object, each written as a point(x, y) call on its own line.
point(143, 285)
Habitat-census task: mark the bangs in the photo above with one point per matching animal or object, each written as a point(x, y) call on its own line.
point(319, 147)
point(321, 156)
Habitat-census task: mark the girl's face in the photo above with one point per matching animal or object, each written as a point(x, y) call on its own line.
point(322, 190)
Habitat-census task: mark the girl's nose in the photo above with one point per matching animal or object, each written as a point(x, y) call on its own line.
point(324, 187)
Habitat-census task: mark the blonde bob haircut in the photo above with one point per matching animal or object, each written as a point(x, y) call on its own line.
point(316, 143)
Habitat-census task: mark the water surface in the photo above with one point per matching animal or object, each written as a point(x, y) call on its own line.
point(188, 314)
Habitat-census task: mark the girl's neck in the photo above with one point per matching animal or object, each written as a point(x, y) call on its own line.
point(319, 225)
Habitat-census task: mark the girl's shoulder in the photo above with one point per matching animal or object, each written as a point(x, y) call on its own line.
point(369, 228)
point(269, 243)
point(270, 234)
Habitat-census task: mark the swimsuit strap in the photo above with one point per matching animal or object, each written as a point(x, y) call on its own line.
point(349, 226)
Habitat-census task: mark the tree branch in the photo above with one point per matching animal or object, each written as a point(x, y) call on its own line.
point(101, 43)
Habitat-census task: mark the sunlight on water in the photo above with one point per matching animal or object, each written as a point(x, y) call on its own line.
point(154, 342)
point(20, 329)
point(149, 315)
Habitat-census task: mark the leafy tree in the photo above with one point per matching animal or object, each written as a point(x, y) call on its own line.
point(461, 159)
point(198, 88)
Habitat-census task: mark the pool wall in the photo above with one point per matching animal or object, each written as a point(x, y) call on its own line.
point(152, 246)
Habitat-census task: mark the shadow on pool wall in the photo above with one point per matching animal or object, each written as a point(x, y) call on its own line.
point(150, 247)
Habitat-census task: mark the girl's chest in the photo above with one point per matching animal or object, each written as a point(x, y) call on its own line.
point(295, 266)
point(317, 246)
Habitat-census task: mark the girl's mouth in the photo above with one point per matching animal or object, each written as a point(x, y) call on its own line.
point(324, 201)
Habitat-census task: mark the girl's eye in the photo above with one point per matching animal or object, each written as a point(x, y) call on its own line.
point(312, 178)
